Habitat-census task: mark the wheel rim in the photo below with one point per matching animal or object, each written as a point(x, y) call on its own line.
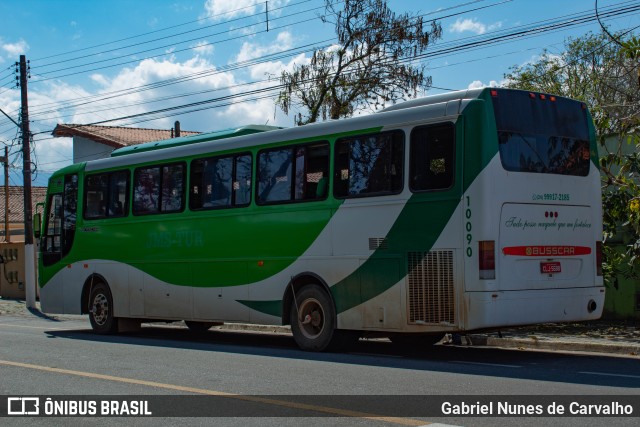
point(311, 318)
point(100, 309)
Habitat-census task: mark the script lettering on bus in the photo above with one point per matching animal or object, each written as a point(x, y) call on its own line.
point(550, 224)
point(175, 239)
point(515, 222)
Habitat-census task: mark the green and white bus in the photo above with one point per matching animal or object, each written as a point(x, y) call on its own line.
point(469, 210)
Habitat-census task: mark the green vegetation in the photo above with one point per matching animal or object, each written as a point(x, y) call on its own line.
point(604, 73)
point(370, 64)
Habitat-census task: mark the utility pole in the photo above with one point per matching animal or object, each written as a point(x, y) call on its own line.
point(29, 252)
point(5, 160)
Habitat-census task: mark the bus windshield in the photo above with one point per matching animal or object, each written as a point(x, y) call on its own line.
point(542, 133)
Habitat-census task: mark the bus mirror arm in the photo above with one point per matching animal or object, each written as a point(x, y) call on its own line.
point(37, 220)
point(37, 224)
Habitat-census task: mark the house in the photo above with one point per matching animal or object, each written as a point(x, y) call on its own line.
point(92, 142)
point(16, 210)
point(12, 247)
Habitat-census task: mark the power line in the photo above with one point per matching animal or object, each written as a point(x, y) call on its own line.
point(168, 46)
point(464, 47)
point(449, 50)
point(158, 31)
point(271, 57)
point(272, 88)
point(266, 58)
point(201, 74)
point(235, 38)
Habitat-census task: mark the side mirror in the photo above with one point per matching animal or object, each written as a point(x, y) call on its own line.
point(37, 225)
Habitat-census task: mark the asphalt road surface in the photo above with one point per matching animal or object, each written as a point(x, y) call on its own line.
point(263, 379)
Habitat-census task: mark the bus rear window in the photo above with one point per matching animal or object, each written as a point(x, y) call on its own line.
point(538, 135)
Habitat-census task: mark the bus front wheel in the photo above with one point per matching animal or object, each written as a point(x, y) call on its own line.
point(312, 318)
point(101, 310)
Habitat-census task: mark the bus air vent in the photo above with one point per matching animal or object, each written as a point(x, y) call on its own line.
point(377, 243)
point(431, 296)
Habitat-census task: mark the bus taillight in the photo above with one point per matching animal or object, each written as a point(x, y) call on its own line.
point(487, 259)
point(599, 258)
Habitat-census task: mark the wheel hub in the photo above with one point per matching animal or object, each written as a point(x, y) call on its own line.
point(311, 318)
point(100, 309)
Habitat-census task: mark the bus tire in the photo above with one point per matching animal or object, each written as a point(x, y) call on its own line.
point(312, 319)
point(198, 326)
point(101, 310)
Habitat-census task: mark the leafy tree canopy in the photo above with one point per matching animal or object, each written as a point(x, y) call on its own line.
point(370, 65)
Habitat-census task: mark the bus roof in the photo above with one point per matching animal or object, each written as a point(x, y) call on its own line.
point(193, 139)
point(436, 99)
point(431, 107)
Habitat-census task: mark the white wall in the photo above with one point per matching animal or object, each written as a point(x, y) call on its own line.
point(85, 149)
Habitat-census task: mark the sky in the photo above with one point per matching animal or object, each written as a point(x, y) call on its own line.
point(209, 63)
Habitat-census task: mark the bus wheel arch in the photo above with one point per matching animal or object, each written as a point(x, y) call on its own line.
point(89, 283)
point(312, 313)
point(295, 286)
point(99, 305)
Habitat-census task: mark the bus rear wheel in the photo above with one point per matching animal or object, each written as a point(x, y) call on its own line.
point(101, 310)
point(312, 319)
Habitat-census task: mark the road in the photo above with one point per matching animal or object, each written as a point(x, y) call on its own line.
point(266, 380)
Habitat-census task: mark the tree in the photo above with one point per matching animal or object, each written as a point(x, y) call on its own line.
point(370, 65)
point(603, 74)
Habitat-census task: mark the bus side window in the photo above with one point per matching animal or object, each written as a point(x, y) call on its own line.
point(106, 195)
point(220, 182)
point(70, 210)
point(53, 225)
point(295, 173)
point(369, 165)
point(146, 190)
point(172, 188)
point(242, 180)
point(432, 157)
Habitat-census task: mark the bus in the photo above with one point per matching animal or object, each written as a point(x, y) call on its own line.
point(470, 210)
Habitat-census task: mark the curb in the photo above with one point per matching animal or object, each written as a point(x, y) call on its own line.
point(248, 327)
point(600, 346)
point(556, 345)
point(532, 343)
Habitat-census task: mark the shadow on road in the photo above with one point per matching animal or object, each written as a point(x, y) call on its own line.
point(589, 369)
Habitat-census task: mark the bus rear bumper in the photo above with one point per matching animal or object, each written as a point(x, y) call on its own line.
point(525, 307)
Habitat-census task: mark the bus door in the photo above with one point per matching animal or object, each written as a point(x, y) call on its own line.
point(60, 225)
point(56, 242)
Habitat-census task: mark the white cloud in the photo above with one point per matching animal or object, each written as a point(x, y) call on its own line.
point(18, 48)
point(477, 84)
point(248, 51)
point(46, 99)
point(472, 25)
point(150, 71)
point(209, 84)
point(224, 9)
point(203, 48)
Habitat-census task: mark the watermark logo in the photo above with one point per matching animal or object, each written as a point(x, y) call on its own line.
point(23, 406)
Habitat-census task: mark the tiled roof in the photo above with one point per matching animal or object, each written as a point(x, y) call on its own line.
point(115, 136)
point(16, 202)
